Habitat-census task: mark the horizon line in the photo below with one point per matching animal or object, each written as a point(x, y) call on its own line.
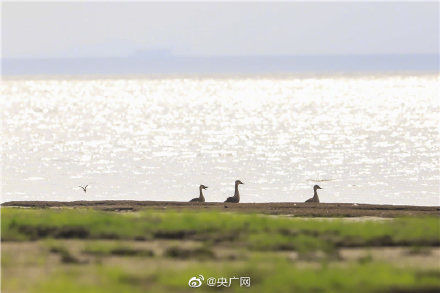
point(166, 54)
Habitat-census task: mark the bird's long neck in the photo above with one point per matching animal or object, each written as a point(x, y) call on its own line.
point(201, 194)
point(315, 194)
point(236, 193)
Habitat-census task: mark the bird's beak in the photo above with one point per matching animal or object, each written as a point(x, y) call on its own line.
point(206, 187)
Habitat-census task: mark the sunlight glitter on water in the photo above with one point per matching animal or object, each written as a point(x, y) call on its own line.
point(368, 139)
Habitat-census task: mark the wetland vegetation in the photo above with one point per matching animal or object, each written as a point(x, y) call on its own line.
point(86, 250)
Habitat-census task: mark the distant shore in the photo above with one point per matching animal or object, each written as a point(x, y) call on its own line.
point(291, 209)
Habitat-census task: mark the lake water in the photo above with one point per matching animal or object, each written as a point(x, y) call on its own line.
point(362, 138)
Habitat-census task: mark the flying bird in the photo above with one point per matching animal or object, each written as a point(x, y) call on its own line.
point(84, 188)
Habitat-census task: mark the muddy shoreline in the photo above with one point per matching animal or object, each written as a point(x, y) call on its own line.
point(291, 209)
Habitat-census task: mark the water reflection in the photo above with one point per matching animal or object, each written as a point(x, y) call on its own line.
point(367, 139)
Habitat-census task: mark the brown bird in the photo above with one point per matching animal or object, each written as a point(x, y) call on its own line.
point(236, 197)
point(201, 198)
point(315, 197)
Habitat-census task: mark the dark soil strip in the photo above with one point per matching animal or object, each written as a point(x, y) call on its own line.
point(288, 208)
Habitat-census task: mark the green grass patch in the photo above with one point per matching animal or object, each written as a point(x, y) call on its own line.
point(276, 275)
point(82, 266)
point(258, 232)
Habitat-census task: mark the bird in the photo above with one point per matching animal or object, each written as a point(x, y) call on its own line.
point(315, 197)
point(84, 188)
point(201, 198)
point(236, 197)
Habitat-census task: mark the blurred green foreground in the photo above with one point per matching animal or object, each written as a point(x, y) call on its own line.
point(84, 250)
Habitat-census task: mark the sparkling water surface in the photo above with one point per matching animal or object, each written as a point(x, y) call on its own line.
point(362, 138)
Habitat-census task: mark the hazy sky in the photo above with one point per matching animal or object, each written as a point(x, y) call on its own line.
point(119, 29)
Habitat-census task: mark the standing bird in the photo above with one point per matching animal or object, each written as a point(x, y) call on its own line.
point(315, 197)
point(201, 198)
point(84, 188)
point(236, 197)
